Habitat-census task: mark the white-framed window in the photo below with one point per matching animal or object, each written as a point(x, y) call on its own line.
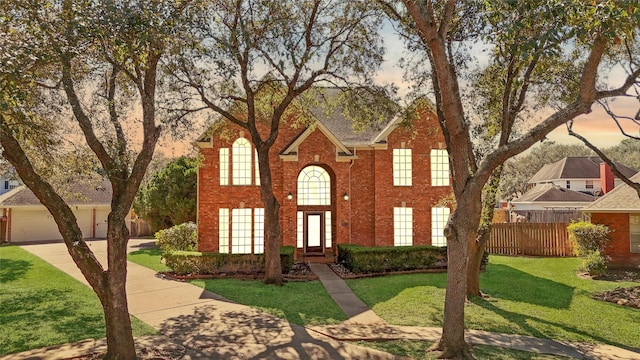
point(439, 167)
point(314, 186)
point(241, 157)
point(402, 167)
point(258, 231)
point(568, 184)
point(256, 167)
point(634, 233)
point(241, 231)
point(588, 184)
point(224, 166)
point(327, 229)
point(439, 218)
point(223, 231)
point(402, 226)
point(300, 232)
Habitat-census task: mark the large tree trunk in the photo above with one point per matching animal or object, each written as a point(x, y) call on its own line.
point(120, 344)
point(272, 240)
point(477, 247)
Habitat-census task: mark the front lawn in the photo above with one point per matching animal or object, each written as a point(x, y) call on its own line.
point(42, 306)
point(539, 297)
point(149, 258)
point(299, 302)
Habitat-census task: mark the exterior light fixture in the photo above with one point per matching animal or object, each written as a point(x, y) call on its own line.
point(290, 196)
point(345, 197)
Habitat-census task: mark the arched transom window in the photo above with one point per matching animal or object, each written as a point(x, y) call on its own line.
point(241, 156)
point(314, 186)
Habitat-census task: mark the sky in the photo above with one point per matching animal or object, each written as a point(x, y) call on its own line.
point(597, 127)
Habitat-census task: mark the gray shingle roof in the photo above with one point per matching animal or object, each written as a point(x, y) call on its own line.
point(622, 198)
point(79, 194)
point(553, 193)
point(575, 167)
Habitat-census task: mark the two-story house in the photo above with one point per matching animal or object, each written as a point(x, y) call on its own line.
point(560, 189)
point(384, 186)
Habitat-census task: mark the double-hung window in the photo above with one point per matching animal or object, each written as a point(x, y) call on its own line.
point(402, 172)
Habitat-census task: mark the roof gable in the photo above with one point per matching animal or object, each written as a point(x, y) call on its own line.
point(292, 149)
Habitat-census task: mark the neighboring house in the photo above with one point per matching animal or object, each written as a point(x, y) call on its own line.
point(587, 174)
point(620, 211)
point(25, 219)
point(9, 180)
point(560, 189)
point(383, 186)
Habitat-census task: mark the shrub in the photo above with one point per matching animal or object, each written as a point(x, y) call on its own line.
point(595, 263)
point(587, 237)
point(183, 237)
point(193, 262)
point(360, 259)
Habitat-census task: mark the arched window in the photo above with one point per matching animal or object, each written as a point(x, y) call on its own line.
point(314, 186)
point(241, 157)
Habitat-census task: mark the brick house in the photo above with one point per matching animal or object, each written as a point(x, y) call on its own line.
point(384, 186)
point(620, 211)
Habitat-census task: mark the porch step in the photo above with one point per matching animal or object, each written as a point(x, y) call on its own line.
point(317, 258)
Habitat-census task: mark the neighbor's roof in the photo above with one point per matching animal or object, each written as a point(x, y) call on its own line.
point(335, 121)
point(553, 193)
point(575, 167)
point(622, 198)
point(95, 193)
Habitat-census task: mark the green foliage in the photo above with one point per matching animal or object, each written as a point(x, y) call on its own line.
point(588, 238)
point(193, 262)
point(595, 263)
point(183, 237)
point(170, 196)
point(360, 259)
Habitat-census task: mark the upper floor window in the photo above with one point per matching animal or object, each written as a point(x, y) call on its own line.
point(589, 184)
point(402, 167)
point(439, 167)
point(568, 184)
point(257, 168)
point(241, 156)
point(224, 166)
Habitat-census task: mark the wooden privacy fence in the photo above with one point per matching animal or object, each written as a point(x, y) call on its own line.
point(536, 239)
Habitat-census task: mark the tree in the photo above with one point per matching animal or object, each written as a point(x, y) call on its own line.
point(170, 196)
point(97, 63)
point(256, 60)
point(441, 30)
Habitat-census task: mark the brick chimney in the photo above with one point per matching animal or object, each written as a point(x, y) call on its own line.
point(607, 180)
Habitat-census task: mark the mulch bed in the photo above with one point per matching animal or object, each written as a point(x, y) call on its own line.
point(622, 296)
point(143, 353)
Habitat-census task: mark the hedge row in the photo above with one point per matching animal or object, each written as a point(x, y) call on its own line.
point(360, 259)
point(193, 262)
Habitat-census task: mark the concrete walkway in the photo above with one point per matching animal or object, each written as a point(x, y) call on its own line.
point(206, 326)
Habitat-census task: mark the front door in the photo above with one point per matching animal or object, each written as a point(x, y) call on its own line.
point(314, 232)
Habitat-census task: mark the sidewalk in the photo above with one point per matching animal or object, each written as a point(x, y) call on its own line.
point(206, 326)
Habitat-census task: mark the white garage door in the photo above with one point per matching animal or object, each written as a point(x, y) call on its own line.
point(33, 225)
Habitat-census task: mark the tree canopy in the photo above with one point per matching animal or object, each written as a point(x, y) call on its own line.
point(169, 198)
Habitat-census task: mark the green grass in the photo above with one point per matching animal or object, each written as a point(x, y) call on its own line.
point(149, 258)
point(539, 297)
point(303, 303)
point(416, 350)
point(42, 306)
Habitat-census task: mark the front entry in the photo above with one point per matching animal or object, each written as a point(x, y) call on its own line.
point(314, 233)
